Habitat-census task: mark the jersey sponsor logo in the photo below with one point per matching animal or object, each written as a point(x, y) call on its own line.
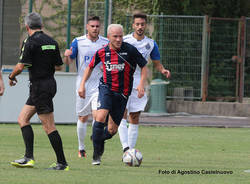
point(48, 47)
point(113, 67)
point(87, 58)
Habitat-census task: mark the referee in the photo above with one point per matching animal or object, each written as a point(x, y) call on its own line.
point(40, 54)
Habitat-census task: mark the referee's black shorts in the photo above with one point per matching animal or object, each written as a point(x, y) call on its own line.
point(41, 95)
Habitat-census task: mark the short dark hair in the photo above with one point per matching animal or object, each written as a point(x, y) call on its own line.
point(140, 15)
point(94, 18)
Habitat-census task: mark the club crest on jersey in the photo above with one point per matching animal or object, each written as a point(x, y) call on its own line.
point(147, 46)
point(112, 67)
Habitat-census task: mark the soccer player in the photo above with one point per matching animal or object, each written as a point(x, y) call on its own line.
point(119, 60)
point(1, 84)
point(40, 54)
point(82, 50)
point(149, 49)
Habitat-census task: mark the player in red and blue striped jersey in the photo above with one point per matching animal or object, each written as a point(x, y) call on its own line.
point(119, 60)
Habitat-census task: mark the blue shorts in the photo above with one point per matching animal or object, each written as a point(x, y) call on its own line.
point(112, 101)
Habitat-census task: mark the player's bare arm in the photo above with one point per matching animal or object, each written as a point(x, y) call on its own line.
point(160, 68)
point(16, 71)
point(86, 75)
point(141, 86)
point(67, 60)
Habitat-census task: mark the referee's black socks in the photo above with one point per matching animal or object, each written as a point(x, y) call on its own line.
point(28, 137)
point(56, 142)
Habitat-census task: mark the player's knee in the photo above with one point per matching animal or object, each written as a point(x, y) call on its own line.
point(22, 122)
point(83, 118)
point(112, 130)
point(134, 117)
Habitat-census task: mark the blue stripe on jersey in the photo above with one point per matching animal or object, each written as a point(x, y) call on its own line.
point(155, 54)
point(74, 46)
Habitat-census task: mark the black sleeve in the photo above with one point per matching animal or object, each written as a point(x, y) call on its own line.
point(137, 56)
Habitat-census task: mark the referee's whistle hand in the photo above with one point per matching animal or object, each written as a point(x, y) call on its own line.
point(12, 82)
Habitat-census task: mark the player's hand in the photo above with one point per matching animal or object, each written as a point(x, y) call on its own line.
point(81, 91)
point(166, 73)
point(140, 90)
point(1, 88)
point(68, 52)
point(12, 82)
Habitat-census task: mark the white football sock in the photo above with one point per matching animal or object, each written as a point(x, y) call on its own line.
point(132, 135)
point(81, 133)
point(123, 133)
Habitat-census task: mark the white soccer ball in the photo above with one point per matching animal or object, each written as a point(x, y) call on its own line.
point(132, 157)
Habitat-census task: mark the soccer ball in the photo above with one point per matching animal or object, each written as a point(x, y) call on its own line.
point(132, 157)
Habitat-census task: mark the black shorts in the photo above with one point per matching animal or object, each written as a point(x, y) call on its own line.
point(112, 101)
point(41, 95)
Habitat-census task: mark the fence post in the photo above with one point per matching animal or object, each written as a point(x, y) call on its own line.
point(205, 58)
point(68, 29)
point(242, 57)
point(106, 17)
point(1, 30)
point(30, 6)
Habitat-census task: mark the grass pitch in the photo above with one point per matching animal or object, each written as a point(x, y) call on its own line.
point(170, 155)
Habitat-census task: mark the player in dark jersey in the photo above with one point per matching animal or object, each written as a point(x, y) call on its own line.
point(119, 60)
point(40, 54)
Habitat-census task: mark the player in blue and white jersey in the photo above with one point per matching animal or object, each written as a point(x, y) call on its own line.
point(149, 49)
point(82, 50)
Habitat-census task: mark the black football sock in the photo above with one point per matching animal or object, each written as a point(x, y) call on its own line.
point(97, 136)
point(28, 137)
point(106, 134)
point(56, 142)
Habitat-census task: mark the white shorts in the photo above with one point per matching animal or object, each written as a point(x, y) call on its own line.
point(84, 106)
point(136, 104)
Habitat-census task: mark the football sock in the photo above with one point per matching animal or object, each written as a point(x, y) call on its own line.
point(81, 133)
point(132, 134)
point(123, 133)
point(97, 135)
point(106, 134)
point(56, 143)
point(28, 137)
point(93, 122)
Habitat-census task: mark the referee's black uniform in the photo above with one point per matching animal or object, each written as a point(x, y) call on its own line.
point(40, 53)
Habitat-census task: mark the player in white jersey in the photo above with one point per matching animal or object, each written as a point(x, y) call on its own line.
point(149, 49)
point(82, 50)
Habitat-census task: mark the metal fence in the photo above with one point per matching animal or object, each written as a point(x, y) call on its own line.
point(197, 50)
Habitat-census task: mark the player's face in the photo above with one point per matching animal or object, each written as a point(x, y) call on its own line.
point(139, 26)
point(115, 38)
point(93, 28)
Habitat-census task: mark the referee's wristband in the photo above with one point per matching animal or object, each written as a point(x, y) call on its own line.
point(11, 78)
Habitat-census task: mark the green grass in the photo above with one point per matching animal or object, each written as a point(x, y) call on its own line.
point(164, 149)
